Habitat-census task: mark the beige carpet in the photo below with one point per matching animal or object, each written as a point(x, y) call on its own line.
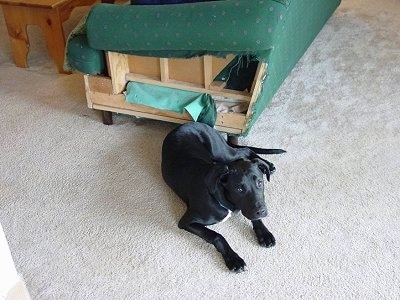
point(88, 216)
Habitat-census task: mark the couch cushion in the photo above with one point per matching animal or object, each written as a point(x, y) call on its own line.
point(185, 30)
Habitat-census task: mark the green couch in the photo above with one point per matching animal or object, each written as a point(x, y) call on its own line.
point(276, 32)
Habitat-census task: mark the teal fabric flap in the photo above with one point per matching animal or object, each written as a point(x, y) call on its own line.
point(240, 26)
point(196, 104)
point(195, 107)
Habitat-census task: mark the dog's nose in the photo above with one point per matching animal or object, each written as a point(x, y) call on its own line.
point(261, 213)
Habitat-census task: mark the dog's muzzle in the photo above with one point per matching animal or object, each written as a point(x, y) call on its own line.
point(256, 213)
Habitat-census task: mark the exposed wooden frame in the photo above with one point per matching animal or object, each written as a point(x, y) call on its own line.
point(106, 93)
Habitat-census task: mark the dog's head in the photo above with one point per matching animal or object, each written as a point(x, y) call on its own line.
point(241, 183)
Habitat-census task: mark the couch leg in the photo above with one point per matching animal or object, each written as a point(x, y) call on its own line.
point(107, 117)
point(233, 139)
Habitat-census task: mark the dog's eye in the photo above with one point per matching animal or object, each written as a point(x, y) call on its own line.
point(259, 183)
point(240, 189)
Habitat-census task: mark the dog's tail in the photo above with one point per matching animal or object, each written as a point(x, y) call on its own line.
point(259, 150)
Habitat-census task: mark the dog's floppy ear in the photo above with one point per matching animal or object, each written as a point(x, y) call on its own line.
point(264, 167)
point(216, 174)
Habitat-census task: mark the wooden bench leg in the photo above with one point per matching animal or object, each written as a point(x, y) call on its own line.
point(55, 39)
point(18, 35)
point(18, 17)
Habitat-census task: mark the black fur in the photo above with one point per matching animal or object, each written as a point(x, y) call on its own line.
point(214, 178)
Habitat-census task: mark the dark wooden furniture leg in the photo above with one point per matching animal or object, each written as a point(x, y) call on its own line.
point(107, 117)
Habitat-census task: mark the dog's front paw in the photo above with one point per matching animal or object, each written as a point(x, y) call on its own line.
point(264, 237)
point(235, 263)
point(272, 168)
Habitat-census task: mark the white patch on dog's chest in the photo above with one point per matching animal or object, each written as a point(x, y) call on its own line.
point(227, 216)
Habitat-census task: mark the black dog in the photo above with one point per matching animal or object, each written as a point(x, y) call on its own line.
point(215, 178)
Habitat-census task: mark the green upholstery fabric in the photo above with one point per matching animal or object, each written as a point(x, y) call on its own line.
point(84, 58)
point(200, 106)
point(185, 30)
point(303, 21)
point(80, 56)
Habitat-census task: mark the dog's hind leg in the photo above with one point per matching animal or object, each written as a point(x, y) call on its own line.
point(232, 260)
point(264, 236)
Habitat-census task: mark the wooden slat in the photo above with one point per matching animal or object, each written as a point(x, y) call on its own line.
point(96, 84)
point(86, 79)
point(219, 63)
point(164, 69)
point(118, 66)
point(244, 96)
point(100, 84)
point(208, 71)
point(234, 121)
point(149, 66)
point(33, 3)
point(188, 70)
point(256, 86)
point(217, 85)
